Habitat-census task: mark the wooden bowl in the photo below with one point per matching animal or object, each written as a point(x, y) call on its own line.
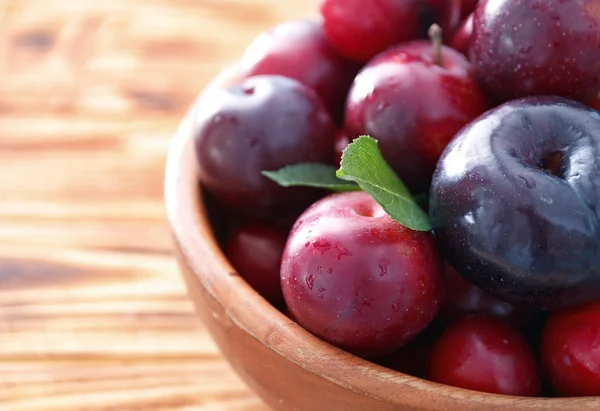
point(289, 368)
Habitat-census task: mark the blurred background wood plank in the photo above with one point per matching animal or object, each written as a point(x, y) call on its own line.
point(93, 314)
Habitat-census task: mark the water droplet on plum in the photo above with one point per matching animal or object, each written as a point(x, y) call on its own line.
point(383, 266)
point(310, 281)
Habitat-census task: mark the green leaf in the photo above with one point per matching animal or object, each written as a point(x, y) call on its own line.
point(363, 163)
point(310, 175)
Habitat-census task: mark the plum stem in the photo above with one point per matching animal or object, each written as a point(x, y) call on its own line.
point(435, 33)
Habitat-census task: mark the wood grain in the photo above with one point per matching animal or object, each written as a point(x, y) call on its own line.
point(93, 313)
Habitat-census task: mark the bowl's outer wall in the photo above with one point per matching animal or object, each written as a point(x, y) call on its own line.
point(289, 368)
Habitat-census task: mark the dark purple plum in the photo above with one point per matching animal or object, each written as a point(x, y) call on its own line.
point(263, 123)
point(522, 48)
point(355, 277)
point(515, 202)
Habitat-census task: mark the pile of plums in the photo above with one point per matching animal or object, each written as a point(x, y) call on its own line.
point(484, 108)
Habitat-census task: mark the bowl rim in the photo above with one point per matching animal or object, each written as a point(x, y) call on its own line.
point(191, 233)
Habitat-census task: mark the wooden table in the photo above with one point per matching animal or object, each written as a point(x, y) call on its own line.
point(93, 314)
